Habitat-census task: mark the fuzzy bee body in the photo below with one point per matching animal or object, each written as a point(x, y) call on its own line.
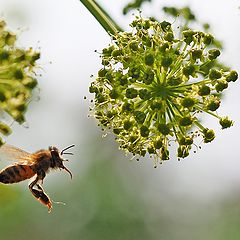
point(29, 165)
point(16, 173)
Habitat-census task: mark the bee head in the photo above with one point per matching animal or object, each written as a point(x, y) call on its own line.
point(57, 160)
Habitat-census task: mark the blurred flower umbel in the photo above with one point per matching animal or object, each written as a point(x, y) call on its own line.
point(154, 87)
point(16, 77)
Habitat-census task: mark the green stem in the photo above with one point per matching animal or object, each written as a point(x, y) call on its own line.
point(199, 125)
point(102, 17)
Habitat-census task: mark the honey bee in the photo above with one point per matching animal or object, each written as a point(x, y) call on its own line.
point(28, 165)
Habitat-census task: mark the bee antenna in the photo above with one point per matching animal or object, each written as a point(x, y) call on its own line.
point(67, 153)
point(63, 151)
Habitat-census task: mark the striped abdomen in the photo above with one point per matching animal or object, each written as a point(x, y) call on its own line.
point(16, 173)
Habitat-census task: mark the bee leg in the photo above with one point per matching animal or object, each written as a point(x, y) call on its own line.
point(38, 192)
point(42, 197)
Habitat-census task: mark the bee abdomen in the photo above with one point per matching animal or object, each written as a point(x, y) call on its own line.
point(16, 173)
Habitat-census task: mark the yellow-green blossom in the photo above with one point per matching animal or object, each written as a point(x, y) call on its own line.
point(16, 77)
point(154, 87)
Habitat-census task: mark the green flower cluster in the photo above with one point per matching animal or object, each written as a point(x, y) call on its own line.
point(154, 87)
point(16, 78)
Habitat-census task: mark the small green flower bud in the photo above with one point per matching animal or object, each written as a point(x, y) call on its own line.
point(102, 72)
point(151, 150)
point(214, 74)
point(18, 74)
point(148, 77)
point(144, 131)
point(225, 122)
point(208, 135)
point(131, 93)
point(221, 85)
point(29, 82)
point(147, 24)
point(164, 128)
point(134, 73)
point(204, 90)
point(186, 140)
point(166, 26)
point(196, 54)
point(149, 59)
point(104, 122)
point(110, 114)
point(133, 45)
point(17, 104)
point(32, 57)
point(116, 52)
point(127, 124)
point(10, 39)
point(213, 54)
point(185, 121)
point(139, 117)
point(164, 153)
point(113, 94)
point(166, 62)
point(142, 152)
point(174, 81)
point(163, 47)
point(156, 105)
point(109, 76)
point(183, 151)
point(208, 39)
point(169, 37)
point(123, 80)
point(105, 62)
point(93, 89)
point(100, 98)
point(18, 116)
point(133, 138)
point(158, 143)
point(5, 129)
point(127, 107)
point(213, 104)
point(116, 131)
point(232, 76)
point(188, 70)
point(188, 102)
point(144, 94)
point(188, 36)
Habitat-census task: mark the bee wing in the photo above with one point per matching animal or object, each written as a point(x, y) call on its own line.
point(11, 153)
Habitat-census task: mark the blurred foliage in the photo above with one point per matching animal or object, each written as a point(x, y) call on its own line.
point(136, 4)
point(17, 79)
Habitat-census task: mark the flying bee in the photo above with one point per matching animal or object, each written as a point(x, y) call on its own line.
point(28, 165)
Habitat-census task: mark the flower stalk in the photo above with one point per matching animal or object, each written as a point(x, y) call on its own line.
point(102, 17)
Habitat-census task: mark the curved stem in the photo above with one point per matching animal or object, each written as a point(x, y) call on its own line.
point(102, 17)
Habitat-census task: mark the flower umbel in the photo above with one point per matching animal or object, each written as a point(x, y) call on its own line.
point(154, 87)
point(16, 77)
